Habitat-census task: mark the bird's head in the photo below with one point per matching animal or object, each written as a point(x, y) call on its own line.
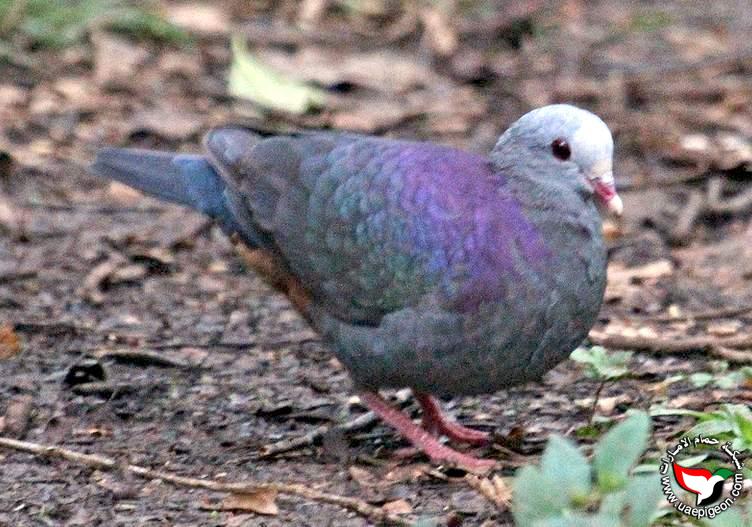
point(572, 143)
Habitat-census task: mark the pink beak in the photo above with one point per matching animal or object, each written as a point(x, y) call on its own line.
point(605, 191)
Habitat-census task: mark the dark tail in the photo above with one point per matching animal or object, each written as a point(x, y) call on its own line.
point(180, 178)
point(185, 179)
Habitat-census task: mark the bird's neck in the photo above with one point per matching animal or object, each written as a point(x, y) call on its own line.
point(537, 190)
point(562, 209)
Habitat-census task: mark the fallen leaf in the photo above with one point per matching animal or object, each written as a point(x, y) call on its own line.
point(78, 92)
point(17, 415)
point(261, 502)
point(202, 18)
point(439, 31)
point(397, 507)
point(725, 329)
point(374, 116)
point(95, 431)
point(624, 281)
point(403, 473)
point(167, 122)
point(253, 80)
point(495, 489)
point(363, 477)
point(10, 344)
point(383, 71)
point(97, 279)
point(11, 95)
point(127, 274)
point(116, 60)
point(124, 193)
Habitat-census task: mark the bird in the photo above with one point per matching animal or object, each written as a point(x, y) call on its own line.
point(422, 266)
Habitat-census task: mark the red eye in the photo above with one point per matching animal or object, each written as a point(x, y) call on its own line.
point(560, 149)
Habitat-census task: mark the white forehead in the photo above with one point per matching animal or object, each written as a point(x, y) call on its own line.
point(592, 136)
point(588, 136)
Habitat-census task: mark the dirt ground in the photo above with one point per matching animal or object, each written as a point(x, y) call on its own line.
point(142, 338)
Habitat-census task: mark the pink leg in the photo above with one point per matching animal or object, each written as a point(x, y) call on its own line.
point(436, 422)
point(420, 438)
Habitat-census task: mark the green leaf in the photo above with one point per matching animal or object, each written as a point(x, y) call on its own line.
point(612, 503)
point(730, 518)
point(701, 379)
point(641, 498)
point(251, 79)
point(563, 463)
point(619, 450)
point(579, 520)
point(54, 23)
point(659, 411)
point(536, 497)
point(140, 23)
point(601, 364)
point(715, 425)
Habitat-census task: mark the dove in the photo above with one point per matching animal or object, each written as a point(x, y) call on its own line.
point(421, 266)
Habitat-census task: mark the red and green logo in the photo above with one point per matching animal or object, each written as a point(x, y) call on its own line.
point(706, 485)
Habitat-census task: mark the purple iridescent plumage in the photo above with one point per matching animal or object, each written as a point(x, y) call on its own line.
point(424, 266)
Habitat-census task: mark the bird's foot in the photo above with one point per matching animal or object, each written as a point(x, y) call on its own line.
point(423, 439)
point(436, 422)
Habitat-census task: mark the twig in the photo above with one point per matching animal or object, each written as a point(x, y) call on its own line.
point(17, 276)
point(93, 209)
point(725, 348)
point(243, 344)
point(374, 514)
point(359, 423)
point(690, 212)
point(110, 389)
point(494, 490)
point(293, 443)
point(597, 396)
point(717, 205)
point(141, 358)
point(53, 328)
point(710, 314)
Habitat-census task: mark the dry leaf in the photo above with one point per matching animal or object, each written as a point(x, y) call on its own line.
point(97, 279)
point(495, 489)
point(611, 230)
point(439, 32)
point(11, 95)
point(261, 502)
point(10, 216)
point(94, 431)
point(124, 193)
point(385, 71)
point(412, 472)
point(10, 344)
point(116, 60)
point(725, 329)
point(167, 122)
point(363, 477)
point(397, 507)
point(202, 18)
point(624, 280)
point(17, 416)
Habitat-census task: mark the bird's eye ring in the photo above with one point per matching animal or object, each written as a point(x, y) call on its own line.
point(560, 149)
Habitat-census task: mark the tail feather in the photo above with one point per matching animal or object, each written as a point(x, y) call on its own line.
point(180, 178)
point(184, 179)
